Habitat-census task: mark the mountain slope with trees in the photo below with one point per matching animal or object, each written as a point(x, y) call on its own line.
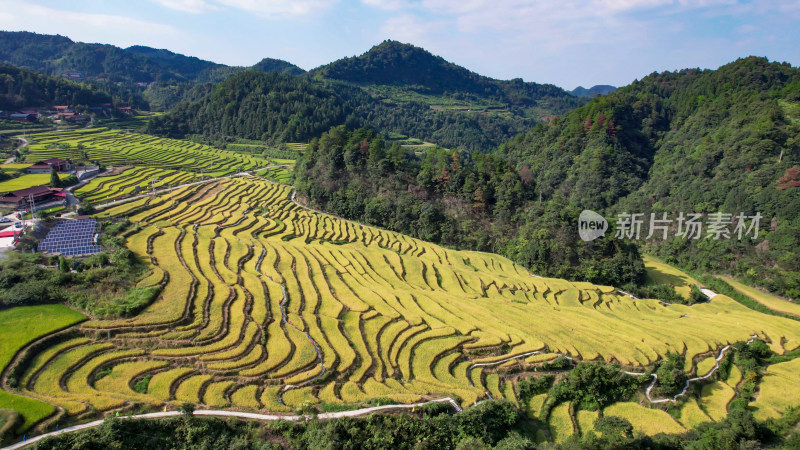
point(285, 108)
point(465, 200)
point(398, 73)
point(277, 65)
point(160, 76)
point(24, 88)
point(692, 141)
point(599, 89)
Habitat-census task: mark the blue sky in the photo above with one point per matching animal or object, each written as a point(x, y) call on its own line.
point(564, 42)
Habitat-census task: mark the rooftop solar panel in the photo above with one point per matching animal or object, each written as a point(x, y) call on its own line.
point(71, 238)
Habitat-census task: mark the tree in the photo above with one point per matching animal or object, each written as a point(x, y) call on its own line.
point(187, 409)
point(55, 181)
point(671, 377)
point(790, 179)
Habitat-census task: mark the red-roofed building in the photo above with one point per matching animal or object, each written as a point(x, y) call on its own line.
point(20, 198)
point(46, 166)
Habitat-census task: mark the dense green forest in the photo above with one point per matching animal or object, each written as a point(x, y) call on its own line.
point(284, 108)
point(277, 65)
point(466, 200)
point(21, 87)
point(692, 141)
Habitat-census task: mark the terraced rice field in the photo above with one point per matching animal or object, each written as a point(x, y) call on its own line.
point(778, 390)
point(111, 187)
point(281, 174)
point(20, 326)
point(123, 148)
point(770, 301)
point(265, 305)
point(662, 273)
point(645, 420)
point(561, 423)
point(297, 146)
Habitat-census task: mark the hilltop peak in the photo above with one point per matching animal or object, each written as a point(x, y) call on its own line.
point(278, 65)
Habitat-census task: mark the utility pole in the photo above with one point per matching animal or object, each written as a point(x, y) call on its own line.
point(32, 203)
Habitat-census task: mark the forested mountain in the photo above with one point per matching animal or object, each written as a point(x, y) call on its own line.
point(401, 72)
point(161, 77)
point(277, 65)
point(279, 107)
point(599, 89)
point(692, 141)
point(57, 55)
point(467, 200)
point(448, 103)
point(24, 88)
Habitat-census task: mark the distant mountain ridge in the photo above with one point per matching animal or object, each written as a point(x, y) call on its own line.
point(598, 89)
point(58, 55)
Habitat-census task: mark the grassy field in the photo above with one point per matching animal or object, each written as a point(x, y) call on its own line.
point(261, 292)
point(20, 326)
point(659, 272)
point(26, 181)
point(770, 301)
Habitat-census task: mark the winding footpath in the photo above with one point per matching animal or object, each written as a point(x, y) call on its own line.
point(237, 414)
point(688, 381)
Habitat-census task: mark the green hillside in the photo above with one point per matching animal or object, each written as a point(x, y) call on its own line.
point(693, 141)
point(401, 73)
point(279, 107)
point(24, 88)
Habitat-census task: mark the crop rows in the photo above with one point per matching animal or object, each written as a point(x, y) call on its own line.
point(266, 305)
point(122, 148)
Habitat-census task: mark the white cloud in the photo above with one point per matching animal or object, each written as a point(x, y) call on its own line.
point(190, 6)
point(407, 28)
point(387, 4)
point(270, 9)
point(275, 9)
point(86, 27)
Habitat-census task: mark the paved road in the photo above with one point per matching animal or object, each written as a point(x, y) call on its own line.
point(237, 414)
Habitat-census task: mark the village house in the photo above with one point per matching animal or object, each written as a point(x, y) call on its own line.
point(46, 166)
point(21, 198)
